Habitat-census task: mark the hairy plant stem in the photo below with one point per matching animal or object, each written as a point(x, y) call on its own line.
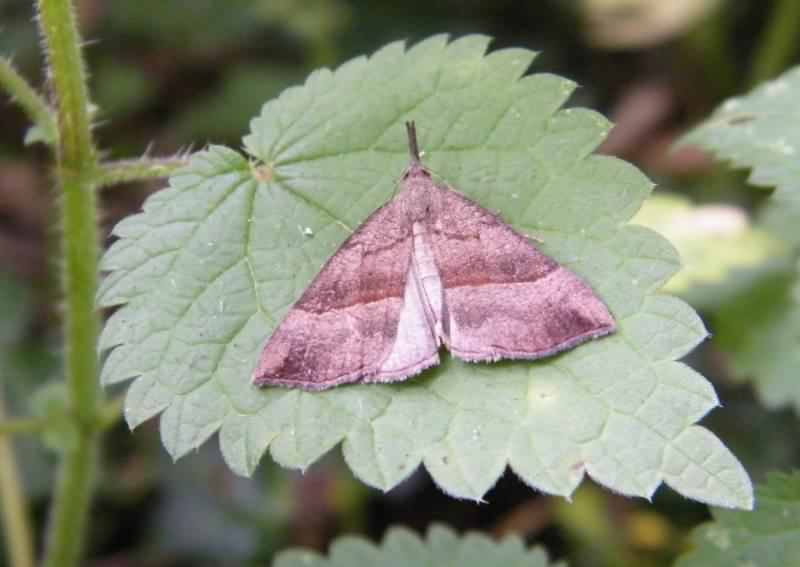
point(31, 102)
point(16, 522)
point(76, 174)
point(125, 171)
point(779, 43)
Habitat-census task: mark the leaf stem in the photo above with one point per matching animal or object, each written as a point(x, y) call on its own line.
point(110, 413)
point(125, 171)
point(779, 42)
point(29, 100)
point(10, 427)
point(76, 173)
point(16, 521)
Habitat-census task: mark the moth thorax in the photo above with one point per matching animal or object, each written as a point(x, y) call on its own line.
point(418, 202)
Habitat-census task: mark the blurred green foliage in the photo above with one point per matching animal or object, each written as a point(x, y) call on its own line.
point(766, 537)
point(26, 363)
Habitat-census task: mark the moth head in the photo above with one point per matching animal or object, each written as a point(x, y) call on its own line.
point(416, 171)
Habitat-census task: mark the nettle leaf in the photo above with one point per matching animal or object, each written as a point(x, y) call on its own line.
point(761, 131)
point(212, 264)
point(442, 547)
point(766, 537)
point(762, 329)
point(721, 252)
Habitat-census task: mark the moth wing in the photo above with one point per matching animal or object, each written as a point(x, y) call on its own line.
point(502, 297)
point(350, 324)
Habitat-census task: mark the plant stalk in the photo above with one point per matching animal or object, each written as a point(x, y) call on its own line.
point(76, 173)
point(37, 109)
point(16, 521)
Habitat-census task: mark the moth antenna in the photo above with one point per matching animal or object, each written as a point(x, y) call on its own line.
point(413, 147)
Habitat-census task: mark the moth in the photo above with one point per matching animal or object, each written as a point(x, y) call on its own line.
point(429, 268)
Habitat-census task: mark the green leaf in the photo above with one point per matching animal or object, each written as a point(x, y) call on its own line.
point(400, 547)
point(760, 329)
point(37, 134)
point(721, 252)
point(767, 537)
point(761, 131)
point(215, 260)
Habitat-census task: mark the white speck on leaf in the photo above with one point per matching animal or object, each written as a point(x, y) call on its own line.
point(541, 394)
point(775, 88)
point(730, 105)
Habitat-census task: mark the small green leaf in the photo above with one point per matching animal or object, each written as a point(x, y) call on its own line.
point(36, 134)
point(204, 274)
point(766, 537)
point(403, 547)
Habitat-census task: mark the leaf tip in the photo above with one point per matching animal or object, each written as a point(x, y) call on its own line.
point(132, 420)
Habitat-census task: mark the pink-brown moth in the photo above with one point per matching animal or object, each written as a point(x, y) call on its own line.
point(429, 268)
